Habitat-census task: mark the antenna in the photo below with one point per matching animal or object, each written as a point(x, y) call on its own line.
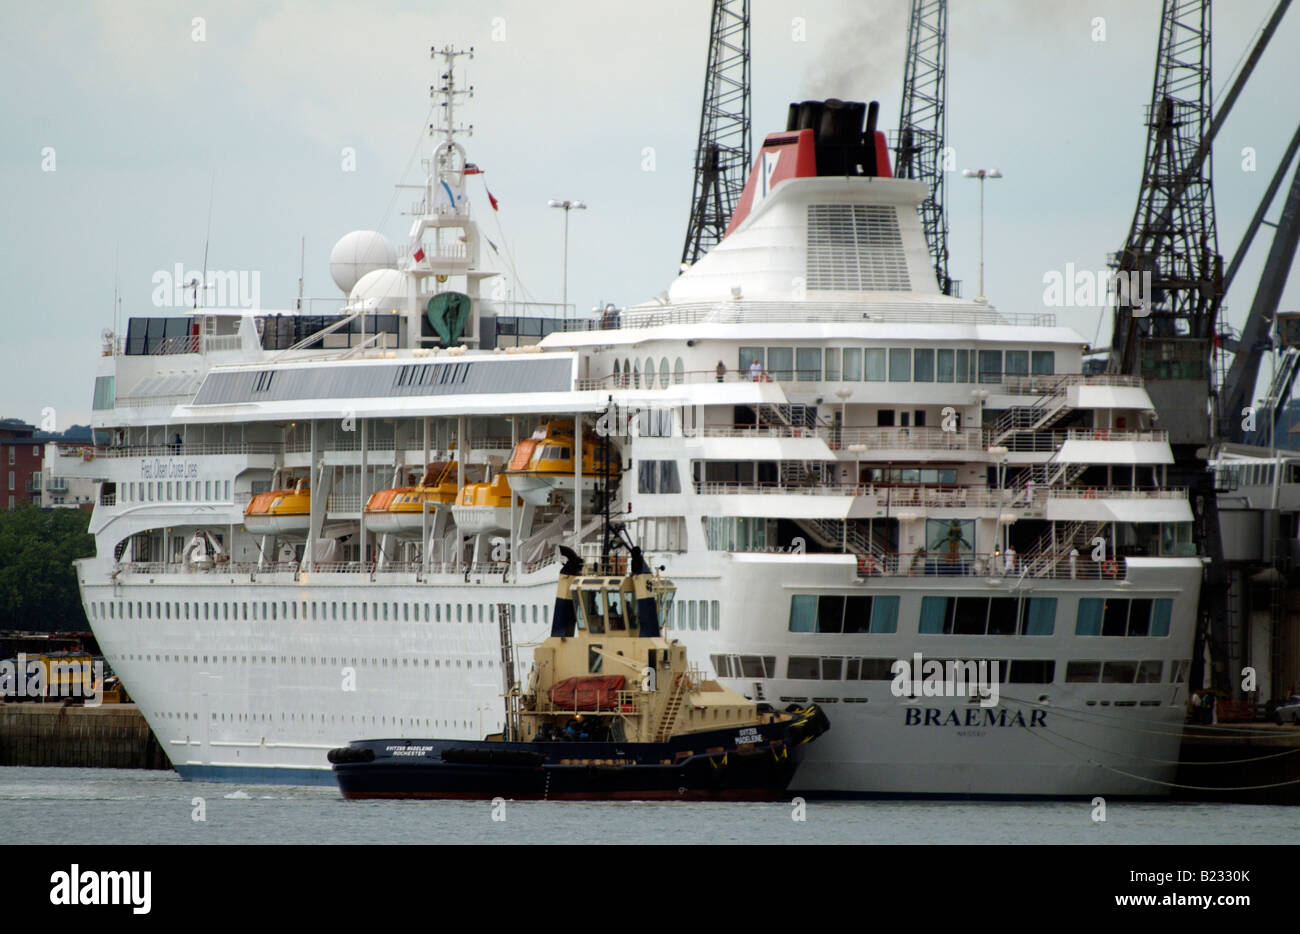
point(302, 266)
point(207, 239)
point(449, 92)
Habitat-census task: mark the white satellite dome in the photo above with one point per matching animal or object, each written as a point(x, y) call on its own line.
point(358, 253)
point(379, 290)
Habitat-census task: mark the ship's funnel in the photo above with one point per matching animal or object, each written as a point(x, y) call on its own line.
point(563, 619)
point(821, 138)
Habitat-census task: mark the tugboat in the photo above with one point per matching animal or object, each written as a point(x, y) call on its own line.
point(612, 710)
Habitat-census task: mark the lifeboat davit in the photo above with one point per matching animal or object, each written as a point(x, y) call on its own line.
point(483, 507)
point(542, 465)
point(280, 512)
point(400, 510)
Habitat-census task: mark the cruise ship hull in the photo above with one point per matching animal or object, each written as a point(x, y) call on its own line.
point(264, 700)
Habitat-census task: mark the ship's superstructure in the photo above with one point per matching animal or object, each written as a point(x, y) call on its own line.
point(838, 465)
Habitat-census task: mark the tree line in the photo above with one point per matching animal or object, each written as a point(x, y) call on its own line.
point(38, 584)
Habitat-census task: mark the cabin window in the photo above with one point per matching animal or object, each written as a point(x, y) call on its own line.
point(832, 363)
point(944, 366)
point(1044, 362)
point(593, 611)
point(852, 364)
point(679, 372)
point(963, 374)
point(595, 663)
point(803, 668)
point(1038, 616)
point(808, 362)
point(1029, 671)
point(900, 365)
point(1017, 363)
point(636, 375)
point(1123, 617)
point(715, 615)
point(923, 366)
point(874, 364)
point(614, 616)
point(663, 373)
point(780, 362)
point(990, 366)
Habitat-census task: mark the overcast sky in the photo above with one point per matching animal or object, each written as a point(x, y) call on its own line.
point(146, 111)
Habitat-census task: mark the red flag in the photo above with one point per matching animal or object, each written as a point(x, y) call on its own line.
point(418, 255)
point(472, 169)
point(493, 201)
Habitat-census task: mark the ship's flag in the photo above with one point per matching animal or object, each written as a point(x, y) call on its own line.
point(472, 169)
point(492, 201)
point(418, 255)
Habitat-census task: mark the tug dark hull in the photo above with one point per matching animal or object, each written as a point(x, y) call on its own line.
point(719, 765)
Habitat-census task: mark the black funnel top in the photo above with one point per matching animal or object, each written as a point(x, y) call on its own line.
point(844, 146)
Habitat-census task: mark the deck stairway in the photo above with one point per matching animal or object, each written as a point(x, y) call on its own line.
point(1045, 412)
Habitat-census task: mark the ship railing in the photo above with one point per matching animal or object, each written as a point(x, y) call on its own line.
point(1058, 383)
point(303, 446)
point(896, 496)
point(184, 449)
point(1030, 441)
point(748, 312)
point(137, 402)
point(221, 565)
point(1008, 385)
point(926, 438)
point(1038, 566)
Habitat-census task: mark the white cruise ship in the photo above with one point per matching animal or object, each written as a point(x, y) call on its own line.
point(310, 528)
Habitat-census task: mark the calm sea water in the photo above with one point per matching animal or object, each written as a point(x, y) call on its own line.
point(105, 806)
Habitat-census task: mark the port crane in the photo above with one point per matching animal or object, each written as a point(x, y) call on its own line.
point(722, 155)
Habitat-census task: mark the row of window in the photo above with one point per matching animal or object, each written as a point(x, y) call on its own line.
point(317, 610)
point(695, 615)
point(306, 660)
point(657, 477)
point(631, 373)
point(894, 364)
point(827, 613)
point(980, 616)
point(36, 452)
point(198, 491)
point(1010, 671)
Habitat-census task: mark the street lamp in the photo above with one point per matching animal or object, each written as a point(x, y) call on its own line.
point(981, 174)
point(567, 206)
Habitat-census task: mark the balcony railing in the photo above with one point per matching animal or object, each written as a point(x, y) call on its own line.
point(897, 496)
point(252, 569)
point(1045, 565)
point(1044, 441)
point(184, 449)
point(746, 312)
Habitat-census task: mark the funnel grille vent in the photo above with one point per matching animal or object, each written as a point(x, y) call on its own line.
point(855, 248)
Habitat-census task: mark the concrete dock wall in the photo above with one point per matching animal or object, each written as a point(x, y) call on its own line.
point(112, 736)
